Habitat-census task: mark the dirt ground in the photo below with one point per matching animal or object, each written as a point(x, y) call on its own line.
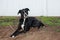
point(46, 33)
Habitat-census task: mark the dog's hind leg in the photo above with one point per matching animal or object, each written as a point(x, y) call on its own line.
point(40, 24)
point(26, 28)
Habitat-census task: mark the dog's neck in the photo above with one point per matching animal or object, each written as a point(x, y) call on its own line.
point(24, 18)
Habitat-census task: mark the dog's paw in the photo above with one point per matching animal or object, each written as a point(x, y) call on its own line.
point(13, 36)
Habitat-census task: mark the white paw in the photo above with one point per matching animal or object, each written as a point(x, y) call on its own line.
point(13, 36)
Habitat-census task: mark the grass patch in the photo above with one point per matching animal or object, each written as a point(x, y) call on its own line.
point(10, 20)
point(51, 21)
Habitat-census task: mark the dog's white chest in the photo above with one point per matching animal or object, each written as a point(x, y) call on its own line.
point(22, 26)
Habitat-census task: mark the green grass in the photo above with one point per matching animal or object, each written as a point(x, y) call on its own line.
point(11, 20)
point(51, 21)
point(8, 20)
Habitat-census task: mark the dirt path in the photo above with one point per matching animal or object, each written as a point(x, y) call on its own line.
point(34, 34)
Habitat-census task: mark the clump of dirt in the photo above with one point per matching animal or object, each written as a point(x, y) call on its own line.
point(46, 33)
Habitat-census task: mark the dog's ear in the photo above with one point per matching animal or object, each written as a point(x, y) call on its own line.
point(20, 11)
point(27, 9)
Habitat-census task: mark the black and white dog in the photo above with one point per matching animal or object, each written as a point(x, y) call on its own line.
point(25, 22)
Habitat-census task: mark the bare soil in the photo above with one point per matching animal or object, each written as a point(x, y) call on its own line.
point(46, 33)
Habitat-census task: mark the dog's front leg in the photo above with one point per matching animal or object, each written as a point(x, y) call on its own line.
point(16, 32)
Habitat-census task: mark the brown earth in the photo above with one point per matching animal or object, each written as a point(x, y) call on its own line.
point(46, 33)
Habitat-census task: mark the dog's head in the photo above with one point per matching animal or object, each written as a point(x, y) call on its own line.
point(23, 12)
point(26, 10)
